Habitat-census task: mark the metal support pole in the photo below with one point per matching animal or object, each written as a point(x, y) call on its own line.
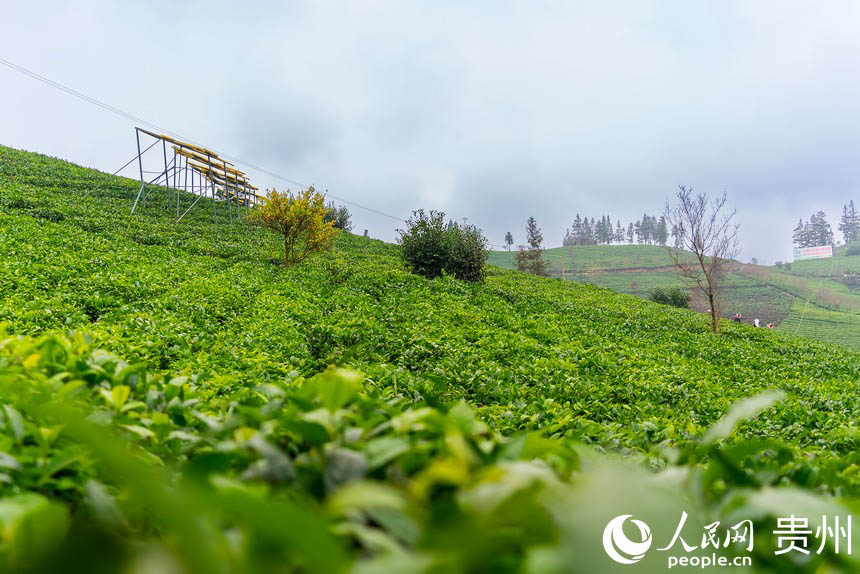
point(185, 184)
point(214, 208)
point(140, 164)
point(166, 178)
point(227, 194)
point(175, 190)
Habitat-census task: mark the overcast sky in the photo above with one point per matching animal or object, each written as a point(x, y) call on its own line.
point(492, 111)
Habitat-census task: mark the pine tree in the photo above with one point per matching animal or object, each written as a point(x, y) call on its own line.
point(509, 240)
point(630, 233)
point(821, 231)
point(845, 224)
point(799, 234)
point(646, 229)
point(678, 233)
point(576, 231)
point(849, 225)
point(662, 233)
point(605, 230)
point(854, 219)
point(619, 232)
point(588, 232)
point(529, 257)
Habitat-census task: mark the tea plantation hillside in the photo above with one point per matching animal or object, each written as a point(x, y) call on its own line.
point(818, 299)
point(456, 408)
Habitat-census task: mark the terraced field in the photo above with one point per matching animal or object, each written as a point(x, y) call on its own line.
point(830, 268)
point(767, 293)
point(823, 324)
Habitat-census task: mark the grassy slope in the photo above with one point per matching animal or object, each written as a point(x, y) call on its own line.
point(199, 297)
point(830, 268)
point(570, 360)
point(772, 295)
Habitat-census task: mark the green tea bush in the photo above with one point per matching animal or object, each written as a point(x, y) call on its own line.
point(347, 415)
point(430, 247)
point(674, 296)
point(339, 472)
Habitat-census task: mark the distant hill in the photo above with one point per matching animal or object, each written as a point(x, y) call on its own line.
point(815, 298)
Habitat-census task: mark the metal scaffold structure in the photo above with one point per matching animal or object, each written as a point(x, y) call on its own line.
point(210, 177)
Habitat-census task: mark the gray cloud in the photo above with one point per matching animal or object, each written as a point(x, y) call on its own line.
point(491, 111)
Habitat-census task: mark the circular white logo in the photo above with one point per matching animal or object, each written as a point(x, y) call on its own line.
point(619, 547)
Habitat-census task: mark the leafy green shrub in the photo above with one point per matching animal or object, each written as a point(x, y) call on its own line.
point(339, 215)
point(338, 473)
point(853, 249)
point(674, 296)
point(468, 253)
point(430, 247)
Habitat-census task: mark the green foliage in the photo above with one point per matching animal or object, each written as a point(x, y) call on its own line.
point(299, 219)
point(429, 246)
point(339, 215)
point(770, 294)
point(167, 470)
point(852, 250)
point(348, 415)
point(529, 257)
point(674, 296)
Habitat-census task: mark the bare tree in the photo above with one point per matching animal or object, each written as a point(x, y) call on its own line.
point(710, 232)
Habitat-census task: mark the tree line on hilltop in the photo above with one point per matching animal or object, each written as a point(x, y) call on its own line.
point(817, 231)
point(649, 230)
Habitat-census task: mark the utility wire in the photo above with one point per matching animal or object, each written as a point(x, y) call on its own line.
point(155, 127)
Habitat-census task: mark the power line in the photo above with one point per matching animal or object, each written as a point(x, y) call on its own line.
point(156, 127)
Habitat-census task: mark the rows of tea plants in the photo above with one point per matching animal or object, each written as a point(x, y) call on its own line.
point(754, 291)
point(457, 408)
point(109, 467)
point(842, 328)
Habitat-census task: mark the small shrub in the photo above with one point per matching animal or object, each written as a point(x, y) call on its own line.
point(853, 249)
point(674, 296)
point(300, 219)
point(468, 253)
point(430, 247)
point(423, 243)
point(530, 257)
point(339, 215)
